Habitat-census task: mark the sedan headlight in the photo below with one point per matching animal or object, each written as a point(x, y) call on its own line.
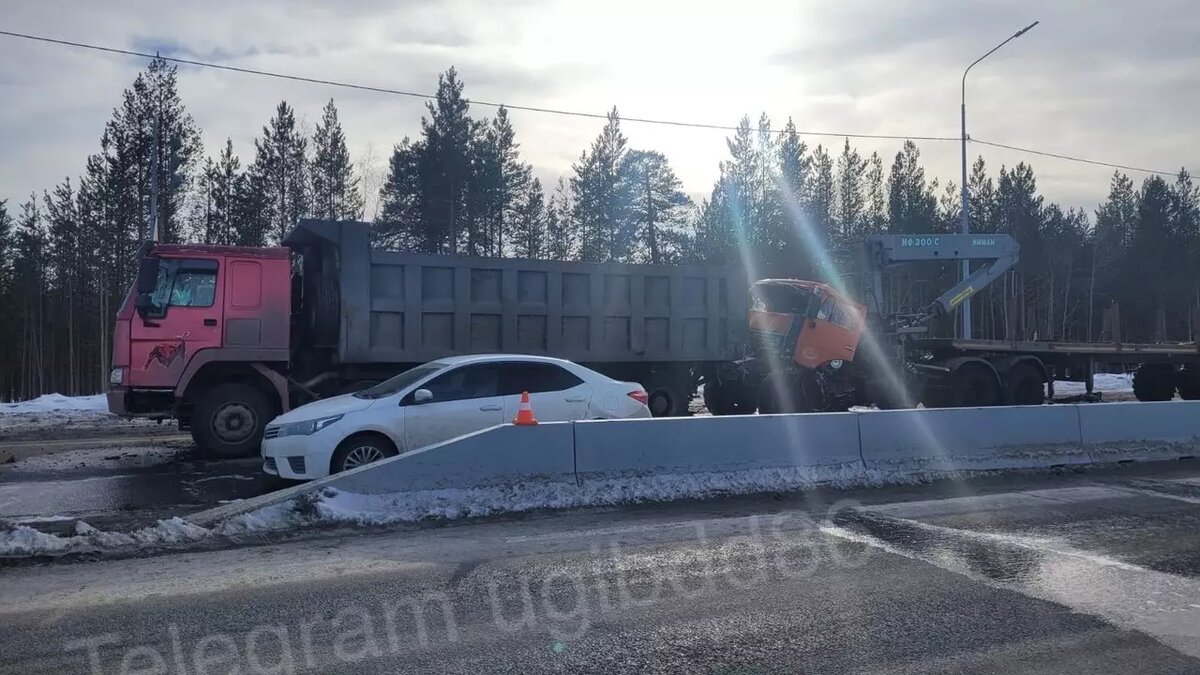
point(116, 376)
point(305, 428)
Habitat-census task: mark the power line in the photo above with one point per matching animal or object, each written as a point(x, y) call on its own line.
point(555, 111)
point(1070, 158)
point(411, 94)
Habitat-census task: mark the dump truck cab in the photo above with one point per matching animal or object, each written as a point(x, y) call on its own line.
point(198, 316)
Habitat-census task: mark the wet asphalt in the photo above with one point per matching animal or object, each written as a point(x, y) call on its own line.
point(126, 486)
point(1070, 572)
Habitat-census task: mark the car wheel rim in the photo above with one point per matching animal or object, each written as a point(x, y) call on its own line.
point(234, 422)
point(361, 455)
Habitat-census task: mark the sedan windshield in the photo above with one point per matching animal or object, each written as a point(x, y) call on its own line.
point(401, 381)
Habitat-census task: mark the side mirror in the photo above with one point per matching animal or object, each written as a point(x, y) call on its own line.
point(147, 276)
point(143, 302)
point(422, 396)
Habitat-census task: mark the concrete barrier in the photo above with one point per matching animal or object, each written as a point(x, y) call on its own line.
point(501, 455)
point(1115, 432)
point(613, 448)
point(961, 439)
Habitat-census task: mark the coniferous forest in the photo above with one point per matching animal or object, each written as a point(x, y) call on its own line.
point(780, 206)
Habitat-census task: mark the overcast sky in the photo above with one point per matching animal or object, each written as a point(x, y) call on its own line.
point(1114, 81)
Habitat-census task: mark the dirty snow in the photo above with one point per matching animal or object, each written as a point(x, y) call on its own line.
point(1106, 382)
point(135, 455)
point(55, 412)
point(20, 540)
point(57, 402)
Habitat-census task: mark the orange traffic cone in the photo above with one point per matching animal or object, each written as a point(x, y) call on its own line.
point(524, 416)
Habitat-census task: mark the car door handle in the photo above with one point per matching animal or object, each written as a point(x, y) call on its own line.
point(575, 399)
point(489, 408)
point(210, 322)
point(151, 324)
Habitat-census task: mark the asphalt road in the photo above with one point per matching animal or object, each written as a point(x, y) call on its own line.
point(123, 485)
point(1076, 573)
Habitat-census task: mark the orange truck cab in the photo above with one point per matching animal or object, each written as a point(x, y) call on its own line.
point(807, 322)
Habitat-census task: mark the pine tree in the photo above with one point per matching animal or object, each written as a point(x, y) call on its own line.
point(445, 170)
point(822, 204)
point(912, 206)
point(400, 224)
point(9, 320)
point(876, 196)
point(851, 196)
point(601, 209)
point(528, 222)
point(151, 130)
point(335, 188)
point(29, 270)
point(562, 232)
point(656, 202)
point(64, 263)
point(279, 175)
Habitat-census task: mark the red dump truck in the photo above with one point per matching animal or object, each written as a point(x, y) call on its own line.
point(223, 338)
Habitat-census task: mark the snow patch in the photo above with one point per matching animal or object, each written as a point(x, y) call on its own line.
point(57, 402)
point(1109, 382)
point(20, 540)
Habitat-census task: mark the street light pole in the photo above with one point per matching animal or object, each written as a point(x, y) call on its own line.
point(966, 224)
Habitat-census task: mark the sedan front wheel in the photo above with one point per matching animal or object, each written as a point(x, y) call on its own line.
point(359, 451)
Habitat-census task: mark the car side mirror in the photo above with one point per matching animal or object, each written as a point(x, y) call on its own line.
point(422, 396)
point(147, 276)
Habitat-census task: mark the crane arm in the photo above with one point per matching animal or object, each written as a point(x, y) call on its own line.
point(999, 250)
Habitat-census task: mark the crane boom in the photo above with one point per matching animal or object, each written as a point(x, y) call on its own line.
point(881, 252)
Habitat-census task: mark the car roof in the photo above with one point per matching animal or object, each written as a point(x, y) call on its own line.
point(485, 358)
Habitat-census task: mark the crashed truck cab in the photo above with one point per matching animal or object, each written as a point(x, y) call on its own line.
point(807, 323)
point(203, 337)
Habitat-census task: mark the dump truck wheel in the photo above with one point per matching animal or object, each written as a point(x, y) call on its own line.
point(228, 420)
point(727, 398)
point(787, 393)
point(1024, 386)
point(1155, 382)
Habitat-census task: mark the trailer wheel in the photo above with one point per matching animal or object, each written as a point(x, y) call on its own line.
point(1024, 386)
point(725, 398)
point(787, 393)
point(1154, 382)
point(1189, 384)
point(974, 386)
point(228, 420)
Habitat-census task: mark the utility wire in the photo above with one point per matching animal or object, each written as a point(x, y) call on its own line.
point(411, 94)
point(554, 111)
point(1071, 158)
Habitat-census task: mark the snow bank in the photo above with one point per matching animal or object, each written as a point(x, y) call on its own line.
point(21, 540)
point(332, 506)
point(57, 402)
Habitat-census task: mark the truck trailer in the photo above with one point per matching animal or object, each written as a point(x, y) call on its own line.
point(224, 338)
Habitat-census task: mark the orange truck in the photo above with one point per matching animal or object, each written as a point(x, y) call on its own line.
point(815, 349)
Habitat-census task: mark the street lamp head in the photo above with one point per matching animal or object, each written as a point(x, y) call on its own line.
point(1026, 29)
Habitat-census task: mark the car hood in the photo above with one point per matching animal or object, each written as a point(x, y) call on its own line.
point(326, 407)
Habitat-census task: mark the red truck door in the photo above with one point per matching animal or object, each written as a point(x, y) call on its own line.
point(184, 317)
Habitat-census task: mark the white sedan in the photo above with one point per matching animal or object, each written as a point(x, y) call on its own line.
point(437, 401)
